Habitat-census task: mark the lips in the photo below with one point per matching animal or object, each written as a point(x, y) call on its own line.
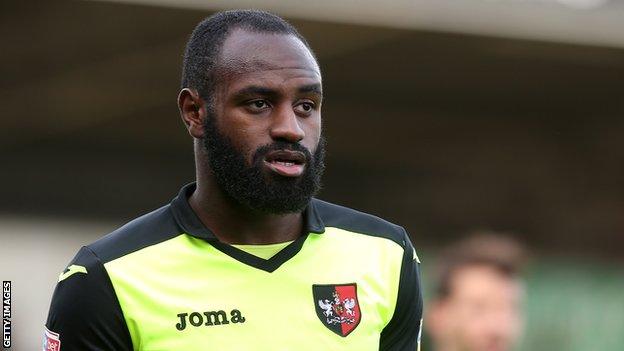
point(286, 163)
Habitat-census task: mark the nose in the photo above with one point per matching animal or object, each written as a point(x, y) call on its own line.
point(286, 125)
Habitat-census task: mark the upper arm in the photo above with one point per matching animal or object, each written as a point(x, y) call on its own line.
point(84, 311)
point(403, 331)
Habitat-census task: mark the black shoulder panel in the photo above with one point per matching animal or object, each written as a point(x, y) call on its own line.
point(349, 219)
point(402, 332)
point(84, 311)
point(149, 229)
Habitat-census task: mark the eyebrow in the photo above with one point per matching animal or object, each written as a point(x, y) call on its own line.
point(255, 90)
point(263, 91)
point(311, 88)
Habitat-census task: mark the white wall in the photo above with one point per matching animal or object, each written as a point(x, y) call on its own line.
point(33, 251)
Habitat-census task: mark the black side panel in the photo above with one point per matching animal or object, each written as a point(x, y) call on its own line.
point(402, 332)
point(85, 311)
point(150, 229)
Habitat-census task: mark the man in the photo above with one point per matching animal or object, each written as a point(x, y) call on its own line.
point(245, 258)
point(478, 296)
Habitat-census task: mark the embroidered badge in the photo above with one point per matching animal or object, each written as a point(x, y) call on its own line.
point(337, 307)
point(51, 341)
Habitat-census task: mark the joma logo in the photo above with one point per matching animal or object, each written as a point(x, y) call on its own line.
point(209, 318)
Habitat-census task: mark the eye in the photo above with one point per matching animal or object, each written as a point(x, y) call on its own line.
point(257, 105)
point(305, 107)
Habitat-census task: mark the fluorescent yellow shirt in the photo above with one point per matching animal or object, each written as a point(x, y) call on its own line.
point(164, 282)
point(263, 251)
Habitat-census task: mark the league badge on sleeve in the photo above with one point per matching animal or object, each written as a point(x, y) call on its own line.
point(337, 307)
point(51, 341)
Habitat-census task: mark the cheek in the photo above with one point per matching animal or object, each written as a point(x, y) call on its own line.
point(247, 144)
point(319, 124)
point(312, 133)
point(515, 324)
point(467, 322)
point(246, 137)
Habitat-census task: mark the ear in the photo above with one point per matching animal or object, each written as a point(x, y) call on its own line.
point(192, 111)
point(435, 318)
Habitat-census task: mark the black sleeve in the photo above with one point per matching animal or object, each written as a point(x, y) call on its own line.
point(85, 312)
point(403, 331)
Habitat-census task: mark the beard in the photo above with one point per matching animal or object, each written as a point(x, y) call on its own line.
point(250, 185)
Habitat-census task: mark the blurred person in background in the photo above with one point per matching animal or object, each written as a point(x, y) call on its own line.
point(478, 296)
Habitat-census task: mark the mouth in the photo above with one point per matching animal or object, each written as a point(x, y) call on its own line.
point(286, 163)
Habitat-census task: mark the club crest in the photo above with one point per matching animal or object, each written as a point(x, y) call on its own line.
point(337, 307)
point(51, 341)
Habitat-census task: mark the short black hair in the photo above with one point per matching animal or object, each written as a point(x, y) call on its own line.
point(204, 46)
point(499, 251)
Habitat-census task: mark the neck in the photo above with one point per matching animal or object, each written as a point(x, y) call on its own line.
point(234, 223)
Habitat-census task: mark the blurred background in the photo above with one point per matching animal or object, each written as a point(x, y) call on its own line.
point(442, 115)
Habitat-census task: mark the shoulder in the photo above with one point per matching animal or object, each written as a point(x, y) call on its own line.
point(84, 312)
point(346, 218)
point(147, 230)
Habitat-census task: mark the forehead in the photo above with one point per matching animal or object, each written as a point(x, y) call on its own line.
point(250, 54)
point(476, 281)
